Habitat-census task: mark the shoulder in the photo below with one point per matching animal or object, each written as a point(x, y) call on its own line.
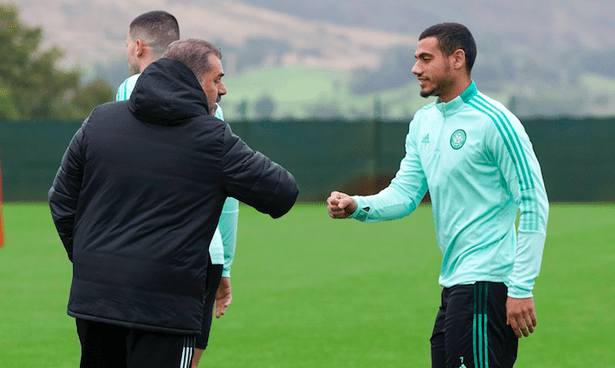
point(209, 120)
point(488, 107)
point(494, 113)
point(108, 114)
point(210, 128)
point(125, 89)
point(502, 127)
point(110, 108)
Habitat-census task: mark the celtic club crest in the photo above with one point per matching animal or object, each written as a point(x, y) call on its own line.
point(458, 139)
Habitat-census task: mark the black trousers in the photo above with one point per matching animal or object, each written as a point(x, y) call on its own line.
point(471, 330)
point(109, 346)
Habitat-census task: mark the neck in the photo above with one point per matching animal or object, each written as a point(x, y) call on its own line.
point(144, 62)
point(457, 88)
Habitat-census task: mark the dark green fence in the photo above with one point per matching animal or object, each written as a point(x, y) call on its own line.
point(31, 153)
point(577, 155)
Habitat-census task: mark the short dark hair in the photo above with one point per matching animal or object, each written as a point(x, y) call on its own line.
point(157, 28)
point(194, 54)
point(451, 37)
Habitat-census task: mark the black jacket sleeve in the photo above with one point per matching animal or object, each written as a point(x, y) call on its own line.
point(64, 194)
point(254, 179)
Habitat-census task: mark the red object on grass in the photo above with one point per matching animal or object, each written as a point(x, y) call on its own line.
point(1, 228)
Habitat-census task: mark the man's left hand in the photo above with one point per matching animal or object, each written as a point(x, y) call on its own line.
point(223, 296)
point(520, 315)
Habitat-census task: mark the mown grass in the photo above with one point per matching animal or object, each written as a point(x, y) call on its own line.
point(309, 291)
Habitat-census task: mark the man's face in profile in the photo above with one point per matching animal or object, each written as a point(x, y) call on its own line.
point(131, 55)
point(212, 83)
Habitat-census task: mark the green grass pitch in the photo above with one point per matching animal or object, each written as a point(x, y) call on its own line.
point(309, 291)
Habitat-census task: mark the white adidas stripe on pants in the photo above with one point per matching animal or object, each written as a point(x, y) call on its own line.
point(187, 352)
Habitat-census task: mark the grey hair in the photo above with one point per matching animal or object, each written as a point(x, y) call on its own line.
point(194, 54)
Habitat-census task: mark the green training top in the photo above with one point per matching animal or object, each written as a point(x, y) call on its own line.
point(476, 160)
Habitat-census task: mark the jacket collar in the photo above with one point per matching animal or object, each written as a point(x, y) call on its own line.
point(451, 107)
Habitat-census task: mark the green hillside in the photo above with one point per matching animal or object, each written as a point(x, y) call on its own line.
point(303, 91)
point(300, 91)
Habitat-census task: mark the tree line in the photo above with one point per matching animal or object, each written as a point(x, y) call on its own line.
point(32, 85)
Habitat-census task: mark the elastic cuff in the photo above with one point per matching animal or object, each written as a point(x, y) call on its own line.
point(517, 293)
point(361, 212)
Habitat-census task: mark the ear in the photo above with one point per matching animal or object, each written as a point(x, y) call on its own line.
point(140, 46)
point(459, 59)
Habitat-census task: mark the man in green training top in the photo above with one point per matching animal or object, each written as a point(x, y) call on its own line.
point(148, 37)
point(477, 162)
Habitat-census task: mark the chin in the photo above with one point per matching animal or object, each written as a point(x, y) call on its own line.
point(426, 94)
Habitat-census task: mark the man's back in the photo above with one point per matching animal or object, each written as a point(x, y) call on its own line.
point(147, 179)
point(145, 186)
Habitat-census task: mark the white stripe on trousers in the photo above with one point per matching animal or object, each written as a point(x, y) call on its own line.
point(187, 352)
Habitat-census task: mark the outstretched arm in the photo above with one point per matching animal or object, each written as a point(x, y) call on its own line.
point(399, 199)
point(255, 180)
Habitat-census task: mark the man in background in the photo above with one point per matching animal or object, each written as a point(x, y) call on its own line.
point(148, 37)
point(477, 162)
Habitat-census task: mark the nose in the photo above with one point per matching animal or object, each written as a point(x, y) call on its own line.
point(415, 69)
point(222, 89)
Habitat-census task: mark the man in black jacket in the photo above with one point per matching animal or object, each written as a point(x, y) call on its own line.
point(136, 201)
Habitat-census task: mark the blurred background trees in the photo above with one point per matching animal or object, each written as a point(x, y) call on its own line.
point(32, 85)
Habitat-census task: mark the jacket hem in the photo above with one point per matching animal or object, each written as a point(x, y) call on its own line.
point(133, 325)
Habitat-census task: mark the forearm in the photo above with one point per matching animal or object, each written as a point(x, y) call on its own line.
point(530, 245)
point(228, 229)
point(196, 357)
point(390, 204)
point(530, 242)
point(255, 180)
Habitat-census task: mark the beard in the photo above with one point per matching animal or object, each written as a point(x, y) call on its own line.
point(439, 83)
point(133, 69)
point(426, 94)
point(212, 109)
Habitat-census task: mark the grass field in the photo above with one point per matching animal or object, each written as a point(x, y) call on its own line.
point(313, 292)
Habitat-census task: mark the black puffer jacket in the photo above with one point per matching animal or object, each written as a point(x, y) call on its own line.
point(138, 196)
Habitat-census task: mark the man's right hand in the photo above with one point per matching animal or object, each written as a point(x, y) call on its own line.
point(340, 205)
